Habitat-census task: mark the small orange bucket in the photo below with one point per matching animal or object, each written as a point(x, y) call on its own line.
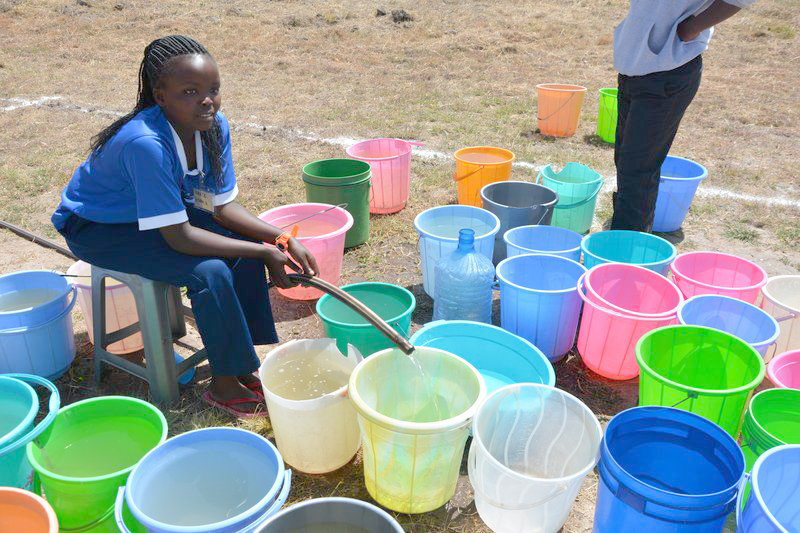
point(21, 510)
point(477, 166)
point(559, 108)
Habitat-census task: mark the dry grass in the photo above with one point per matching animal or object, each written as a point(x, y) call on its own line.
point(459, 74)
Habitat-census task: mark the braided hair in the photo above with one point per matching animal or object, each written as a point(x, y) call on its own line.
point(157, 55)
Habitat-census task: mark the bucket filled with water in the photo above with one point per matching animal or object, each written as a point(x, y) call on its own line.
point(771, 419)
point(323, 234)
point(438, 229)
point(633, 247)
point(414, 413)
point(664, 470)
point(332, 515)
point(549, 240)
point(390, 161)
point(532, 446)
point(24, 511)
point(741, 319)
point(517, 203)
point(781, 299)
point(19, 406)
point(784, 370)
point(559, 108)
point(394, 304)
point(577, 187)
point(341, 182)
point(539, 301)
point(501, 357)
point(212, 480)
point(120, 308)
point(35, 323)
point(716, 273)
point(773, 505)
point(305, 386)
point(477, 166)
point(680, 178)
point(702, 370)
point(87, 453)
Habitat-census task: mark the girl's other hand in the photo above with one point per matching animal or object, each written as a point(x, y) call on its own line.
point(687, 31)
point(276, 261)
point(304, 257)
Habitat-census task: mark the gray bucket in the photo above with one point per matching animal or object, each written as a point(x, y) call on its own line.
point(332, 515)
point(517, 203)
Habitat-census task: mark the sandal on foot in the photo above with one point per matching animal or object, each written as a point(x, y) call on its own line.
point(229, 406)
point(255, 386)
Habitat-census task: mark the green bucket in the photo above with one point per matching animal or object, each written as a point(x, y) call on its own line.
point(577, 187)
point(392, 303)
point(342, 181)
point(701, 370)
point(88, 452)
point(772, 419)
point(607, 115)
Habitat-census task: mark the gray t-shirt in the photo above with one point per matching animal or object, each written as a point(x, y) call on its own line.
point(646, 41)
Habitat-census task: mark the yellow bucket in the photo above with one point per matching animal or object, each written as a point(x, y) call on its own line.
point(477, 166)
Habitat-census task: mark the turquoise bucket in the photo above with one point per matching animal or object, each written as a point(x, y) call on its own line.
point(19, 405)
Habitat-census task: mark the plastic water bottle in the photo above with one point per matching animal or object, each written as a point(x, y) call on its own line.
point(463, 287)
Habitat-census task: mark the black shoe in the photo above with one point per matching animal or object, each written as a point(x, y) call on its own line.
point(675, 237)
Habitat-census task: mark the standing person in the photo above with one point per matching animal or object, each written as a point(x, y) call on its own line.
point(157, 197)
point(657, 52)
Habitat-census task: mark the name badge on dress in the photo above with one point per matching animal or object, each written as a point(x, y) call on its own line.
point(203, 196)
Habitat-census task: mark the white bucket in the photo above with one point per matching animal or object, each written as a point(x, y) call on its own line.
point(781, 299)
point(532, 446)
point(120, 308)
point(315, 435)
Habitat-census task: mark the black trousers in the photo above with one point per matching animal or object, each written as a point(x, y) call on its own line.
point(650, 109)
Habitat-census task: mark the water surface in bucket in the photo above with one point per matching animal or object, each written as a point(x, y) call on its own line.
point(26, 299)
point(90, 448)
point(21, 517)
point(483, 158)
point(306, 376)
point(314, 227)
point(448, 227)
point(329, 527)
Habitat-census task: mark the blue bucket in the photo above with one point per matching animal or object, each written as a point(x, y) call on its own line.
point(501, 357)
point(550, 240)
point(438, 229)
point(19, 405)
point(46, 349)
point(680, 178)
point(773, 505)
point(212, 480)
point(623, 246)
point(741, 319)
point(666, 470)
point(32, 297)
point(539, 300)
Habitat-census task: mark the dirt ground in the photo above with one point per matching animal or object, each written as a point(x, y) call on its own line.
point(298, 72)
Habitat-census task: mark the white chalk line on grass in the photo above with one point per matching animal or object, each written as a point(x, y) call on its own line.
point(57, 102)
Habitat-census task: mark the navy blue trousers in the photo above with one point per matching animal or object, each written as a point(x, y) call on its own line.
point(229, 297)
point(650, 109)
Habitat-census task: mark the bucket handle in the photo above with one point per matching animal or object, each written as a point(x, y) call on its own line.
point(790, 316)
point(276, 505)
point(576, 204)
point(456, 178)
point(53, 406)
point(581, 292)
point(91, 525)
point(473, 462)
point(740, 496)
point(65, 312)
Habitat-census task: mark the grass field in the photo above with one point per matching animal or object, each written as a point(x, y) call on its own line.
point(458, 74)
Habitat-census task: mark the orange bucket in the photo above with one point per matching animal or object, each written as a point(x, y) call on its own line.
point(21, 510)
point(559, 108)
point(477, 166)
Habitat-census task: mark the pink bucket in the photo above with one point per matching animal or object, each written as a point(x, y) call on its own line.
point(632, 290)
point(607, 338)
point(784, 370)
point(323, 235)
point(390, 162)
point(717, 273)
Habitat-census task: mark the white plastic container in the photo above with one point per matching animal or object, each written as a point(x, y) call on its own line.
point(532, 446)
point(120, 308)
point(781, 299)
point(319, 434)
